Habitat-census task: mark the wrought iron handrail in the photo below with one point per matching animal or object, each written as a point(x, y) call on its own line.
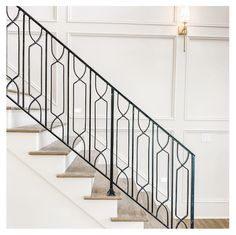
point(177, 202)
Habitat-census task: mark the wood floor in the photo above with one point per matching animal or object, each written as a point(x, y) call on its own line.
point(211, 223)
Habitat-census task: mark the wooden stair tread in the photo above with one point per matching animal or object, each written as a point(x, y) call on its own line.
point(128, 210)
point(55, 148)
point(75, 175)
point(79, 169)
point(128, 219)
point(152, 223)
point(101, 186)
point(16, 108)
point(102, 197)
point(35, 128)
point(14, 91)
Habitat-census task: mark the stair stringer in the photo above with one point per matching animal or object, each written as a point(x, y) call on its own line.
point(72, 188)
point(33, 202)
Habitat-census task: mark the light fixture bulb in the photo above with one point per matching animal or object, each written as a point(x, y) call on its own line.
point(184, 14)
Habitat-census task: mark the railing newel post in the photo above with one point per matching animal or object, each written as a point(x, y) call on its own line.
point(111, 191)
point(192, 190)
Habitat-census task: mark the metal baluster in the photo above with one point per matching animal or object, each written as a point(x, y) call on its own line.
point(111, 191)
point(90, 108)
point(172, 185)
point(153, 157)
point(192, 190)
point(23, 64)
point(46, 78)
point(173, 181)
point(132, 163)
point(68, 99)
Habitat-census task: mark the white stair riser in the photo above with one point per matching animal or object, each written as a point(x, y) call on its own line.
point(102, 210)
point(30, 196)
point(27, 100)
point(17, 118)
point(73, 188)
point(45, 137)
point(25, 142)
point(49, 166)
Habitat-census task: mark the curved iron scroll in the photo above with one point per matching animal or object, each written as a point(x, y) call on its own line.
point(57, 62)
point(35, 43)
point(142, 187)
point(101, 150)
point(162, 203)
point(122, 170)
point(82, 83)
point(12, 80)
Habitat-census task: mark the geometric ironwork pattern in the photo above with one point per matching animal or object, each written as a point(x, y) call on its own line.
point(155, 170)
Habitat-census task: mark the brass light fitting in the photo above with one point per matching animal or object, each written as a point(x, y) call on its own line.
point(183, 27)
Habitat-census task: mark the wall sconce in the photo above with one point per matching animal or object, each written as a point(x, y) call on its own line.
point(184, 19)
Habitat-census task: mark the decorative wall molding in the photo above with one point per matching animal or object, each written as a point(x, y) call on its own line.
point(209, 16)
point(218, 38)
point(219, 131)
point(212, 200)
point(173, 37)
point(205, 130)
point(112, 22)
point(208, 25)
point(186, 118)
point(117, 35)
point(55, 15)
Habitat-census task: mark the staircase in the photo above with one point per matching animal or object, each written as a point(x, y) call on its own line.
point(151, 185)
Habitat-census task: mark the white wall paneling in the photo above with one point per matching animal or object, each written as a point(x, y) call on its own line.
point(207, 76)
point(148, 15)
point(209, 16)
point(138, 50)
point(42, 13)
point(130, 52)
point(212, 155)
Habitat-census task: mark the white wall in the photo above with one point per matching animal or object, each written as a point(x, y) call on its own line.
point(138, 50)
point(33, 203)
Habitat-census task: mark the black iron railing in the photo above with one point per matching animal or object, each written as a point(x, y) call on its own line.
point(152, 167)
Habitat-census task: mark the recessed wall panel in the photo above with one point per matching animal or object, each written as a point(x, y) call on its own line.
point(141, 68)
point(122, 14)
point(207, 80)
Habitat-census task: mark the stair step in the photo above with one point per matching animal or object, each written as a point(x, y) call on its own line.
point(128, 210)
point(152, 222)
point(15, 91)
point(76, 175)
point(36, 128)
point(128, 219)
point(16, 108)
point(55, 148)
point(101, 186)
point(102, 197)
point(78, 169)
